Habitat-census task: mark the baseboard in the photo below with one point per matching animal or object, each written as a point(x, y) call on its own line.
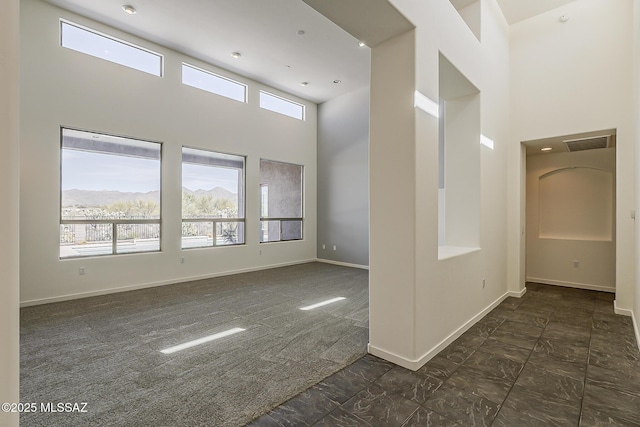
point(621, 311)
point(69, 297)
point(416, 364)
point(635, 328)
point(344, 264)
point(572, 284)
point(630, 313)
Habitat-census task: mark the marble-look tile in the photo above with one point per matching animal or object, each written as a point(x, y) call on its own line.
point(614, 358)
point(512, 352)
point(563, 330)
point(264, 421)
point(594, 418)
point(439, 367)
point(304, 409)
point(463, 407)
point(426, 418)
point(612, 402)
point(511, 303)
point(485, 327)
point(370, 367)
point(569, 316)
point(479, 384)
point(519, 334)
point(526, 408)
point(409, 384)
point(494, 365)
point(626, 381)
point(539, 320)
point(380, 407)
point(342, 385)
point(459, 350)
point(341, 418)
point(562, 349)
point(558, 387)
point(604, 307)
point(605, 339)
point(606, 296)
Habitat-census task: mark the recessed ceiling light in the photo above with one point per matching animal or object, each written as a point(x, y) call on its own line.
point(236, 55)
point(304, 83)
point(129, 9)
point(301, 32)
point(546, 149)
point(361, 44)
point(336, 81)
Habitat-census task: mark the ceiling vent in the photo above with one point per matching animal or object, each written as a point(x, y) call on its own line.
point(590, 143)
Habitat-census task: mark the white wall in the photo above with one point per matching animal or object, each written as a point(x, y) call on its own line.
point(574, 77)
point(576, 224)
point(343, 178)
point(417, 303)
point(636, 115)
point(61, 87)
point(9, 214)
point(392, 212)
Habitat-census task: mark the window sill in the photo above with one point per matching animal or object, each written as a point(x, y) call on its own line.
point(446, 252)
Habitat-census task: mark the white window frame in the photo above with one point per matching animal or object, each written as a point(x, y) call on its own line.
point(285, 100)
point(216, 76)
point(63, 22)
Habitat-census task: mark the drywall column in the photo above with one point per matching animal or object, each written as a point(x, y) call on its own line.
point(9, 214)
point(392, 200)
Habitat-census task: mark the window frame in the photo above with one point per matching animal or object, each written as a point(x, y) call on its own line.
point(287, 100)
point(215, 75)
point(114, 39)
point(281, 220)
point(113, 222)
point(216, 220)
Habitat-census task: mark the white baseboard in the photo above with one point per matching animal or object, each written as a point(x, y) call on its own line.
point(610, 288)
point(621, 311)
point(344, 264)
point(636, 328)
point(79, 295)
point(416, 364)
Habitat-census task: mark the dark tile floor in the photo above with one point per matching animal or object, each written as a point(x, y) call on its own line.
point(555, 357)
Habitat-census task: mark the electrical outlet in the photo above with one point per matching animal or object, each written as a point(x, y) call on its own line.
point(335, 247)
point(81, 271)
point(576, 263)
point(324, 246)
point(484, 283)
point(182, 260)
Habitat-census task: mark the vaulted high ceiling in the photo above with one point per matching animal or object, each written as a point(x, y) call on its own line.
point(282, 43)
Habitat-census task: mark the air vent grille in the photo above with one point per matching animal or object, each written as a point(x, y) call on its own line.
point(587, 143)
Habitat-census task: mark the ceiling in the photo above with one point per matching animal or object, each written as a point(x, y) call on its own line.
point(557, 144)
point(282, 43)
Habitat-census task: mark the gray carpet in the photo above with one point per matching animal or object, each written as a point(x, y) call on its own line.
point(106, 350)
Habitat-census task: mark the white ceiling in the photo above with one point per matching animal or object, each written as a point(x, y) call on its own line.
point(266, 35)
point(519, 10)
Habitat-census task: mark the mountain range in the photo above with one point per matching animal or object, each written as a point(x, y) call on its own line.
point(77, 197)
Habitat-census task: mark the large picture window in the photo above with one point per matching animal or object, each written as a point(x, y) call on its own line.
point(280, 201)
point(110, 195)
point(212, 199)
